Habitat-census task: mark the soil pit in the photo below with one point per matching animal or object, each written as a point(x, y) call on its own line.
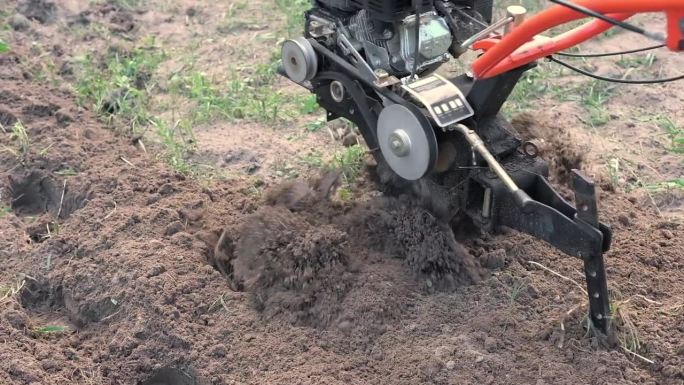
point(34, 192)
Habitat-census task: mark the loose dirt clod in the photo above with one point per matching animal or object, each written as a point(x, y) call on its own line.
point(43, 11)
point(292, 269)
point(172, 376)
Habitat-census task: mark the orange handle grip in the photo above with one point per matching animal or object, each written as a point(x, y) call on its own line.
point(519, 47)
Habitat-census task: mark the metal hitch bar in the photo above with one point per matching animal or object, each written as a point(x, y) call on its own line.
point(526, 202)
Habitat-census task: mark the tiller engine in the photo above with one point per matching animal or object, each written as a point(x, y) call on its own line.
point(374, 61)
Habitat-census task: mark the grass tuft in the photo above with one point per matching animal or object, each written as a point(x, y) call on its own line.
point(18, 133)
point(674, 133)
point(349, 162)
point(120, 87)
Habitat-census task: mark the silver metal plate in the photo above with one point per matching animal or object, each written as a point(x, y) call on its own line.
point(442, 98)
point(407, 141)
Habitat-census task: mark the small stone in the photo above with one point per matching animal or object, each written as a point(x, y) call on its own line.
point(450, 365)
point(155, 271)
point(19, 22)
point(491, 344)
point(667, 234)
point(63, 118)
point(495, 259)
point(442, 353)
point(624, 220)
point(66, 69)
point(166, 189)
point(173, 228)
point(16, 319)
point(532, 292)
point(350, 140)
point(191, 215)
point(249, 337)
point(377, 354)
point(345, 327)
point(479, 359)
point(680, 351)
point(252, 168)
point(154, 198)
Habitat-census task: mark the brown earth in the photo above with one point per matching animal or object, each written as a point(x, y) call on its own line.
point(112, 266)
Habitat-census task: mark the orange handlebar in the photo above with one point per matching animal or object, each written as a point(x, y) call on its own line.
point(519, 47)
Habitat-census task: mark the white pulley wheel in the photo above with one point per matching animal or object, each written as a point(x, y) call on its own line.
point(407, 141)
point(299, 60)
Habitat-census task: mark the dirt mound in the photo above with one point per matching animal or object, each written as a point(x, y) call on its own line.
point(296, 258)
point(555, 144)
point(43, 11)
point(402, 229)
point(291, 268)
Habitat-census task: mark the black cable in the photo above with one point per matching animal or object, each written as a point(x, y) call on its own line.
point(610, 53)
point(614, 80)
point(417, 50)
point(601, 16)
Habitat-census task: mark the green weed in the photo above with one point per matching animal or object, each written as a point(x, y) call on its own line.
point(667, 185)
point(18, 133)
point(314, 159)
point(4, 210)
point(51, 329)
point(637, 61)
point(674, 133)
point(177, 139)
point(350, 162)
point(308, 104)
point(125, 4)
point(66, 172)
point(9, 292)
point(316, 124)
point(120, 87)
point(240, 98)
point(294, 15)
point(594, 102)
point(614, 172)
point(344, 193)
point(285, 170)
point(516, 290)
point(532, 86)
point(4, 47)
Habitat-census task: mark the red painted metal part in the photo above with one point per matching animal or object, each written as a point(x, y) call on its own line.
point(523, 45)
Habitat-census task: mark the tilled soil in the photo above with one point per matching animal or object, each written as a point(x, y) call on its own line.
point(117, 270)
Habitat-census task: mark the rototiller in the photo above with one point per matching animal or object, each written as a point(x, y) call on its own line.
point(373, 62)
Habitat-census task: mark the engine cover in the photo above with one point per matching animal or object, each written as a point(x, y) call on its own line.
point(434, 40)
